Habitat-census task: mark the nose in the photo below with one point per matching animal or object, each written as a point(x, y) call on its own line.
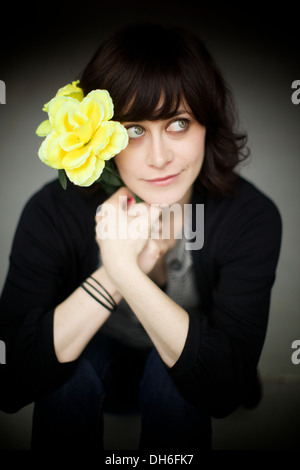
point(159, 153)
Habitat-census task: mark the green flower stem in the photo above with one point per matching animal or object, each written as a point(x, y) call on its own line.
point(62, 178)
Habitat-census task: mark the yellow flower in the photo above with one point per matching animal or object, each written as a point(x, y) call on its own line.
point(71, 90)
point(80, 135)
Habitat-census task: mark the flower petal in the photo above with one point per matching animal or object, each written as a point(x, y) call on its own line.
point(70, 141)
point(44, 129)
point(77, 118)
point(71, 90)
point(102, 136)
point(119, 138)
point(105, 102)
point(84, 132)
point(50, 151)
point(99, 167)
point(76, 158)
point(59, 110)
point(117, 142)
point(93, 110)
point(83, 173)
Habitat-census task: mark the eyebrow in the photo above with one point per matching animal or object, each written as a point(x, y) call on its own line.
point(176, 114)
point(182, 111)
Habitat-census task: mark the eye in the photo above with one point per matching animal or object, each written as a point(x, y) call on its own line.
point(178, 126)
point(134, 132)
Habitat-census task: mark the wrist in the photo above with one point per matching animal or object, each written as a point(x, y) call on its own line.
point(101, 276)
point(132, 275)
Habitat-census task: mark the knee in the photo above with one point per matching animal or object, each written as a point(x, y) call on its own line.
point(82, 385)
point(157, 387)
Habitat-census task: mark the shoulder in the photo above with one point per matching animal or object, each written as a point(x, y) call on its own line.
point(248, 196)
point(247, 203)
point(248, 218)
point(48, 197)
point(56, 217)
point(251, 207)
point(55, 202)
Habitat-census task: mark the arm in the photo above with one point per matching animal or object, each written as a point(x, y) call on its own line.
point(54, 250)
point(164, 320)
point(212, 354)
point(46, 319)
point(79, 317)
point(235, 273)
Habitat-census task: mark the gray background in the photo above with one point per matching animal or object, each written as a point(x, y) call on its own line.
point(48, 49)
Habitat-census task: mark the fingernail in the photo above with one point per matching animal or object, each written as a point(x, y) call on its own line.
point(130, 201)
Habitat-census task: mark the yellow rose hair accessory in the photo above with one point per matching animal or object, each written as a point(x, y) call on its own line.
point(80, 137)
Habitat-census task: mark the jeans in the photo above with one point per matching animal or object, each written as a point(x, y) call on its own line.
point(110, 376)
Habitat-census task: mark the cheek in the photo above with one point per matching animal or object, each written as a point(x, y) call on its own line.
point(194, 152)
point(125, 163)
point(200, 146)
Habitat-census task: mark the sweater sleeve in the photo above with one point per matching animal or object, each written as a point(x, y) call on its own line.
point(225, 340)
point(39, 262)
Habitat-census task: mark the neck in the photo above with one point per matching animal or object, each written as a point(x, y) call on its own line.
point(186, 198)
point(173, 216)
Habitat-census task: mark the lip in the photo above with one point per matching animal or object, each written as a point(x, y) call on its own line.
point(166, 180)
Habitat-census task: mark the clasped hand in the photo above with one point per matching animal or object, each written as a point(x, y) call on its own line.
point(128, 235)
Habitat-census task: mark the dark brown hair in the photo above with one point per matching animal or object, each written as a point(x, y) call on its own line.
point(142, 63)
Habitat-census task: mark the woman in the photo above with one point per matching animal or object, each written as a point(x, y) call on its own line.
point(186, 336)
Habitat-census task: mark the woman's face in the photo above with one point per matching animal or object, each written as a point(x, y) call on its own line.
point(163, 158)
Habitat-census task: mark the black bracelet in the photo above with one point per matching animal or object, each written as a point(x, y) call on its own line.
point(112, 301)
point(112, 304)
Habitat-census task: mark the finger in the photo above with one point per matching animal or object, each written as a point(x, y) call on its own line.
point(137, 209)
point(114, 199)
point(148, 217)
point(102, 210)
point(123, 193)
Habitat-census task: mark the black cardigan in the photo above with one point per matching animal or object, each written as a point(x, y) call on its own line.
point(54, 250)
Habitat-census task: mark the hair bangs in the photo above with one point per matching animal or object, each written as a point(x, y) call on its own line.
point(150, 95)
